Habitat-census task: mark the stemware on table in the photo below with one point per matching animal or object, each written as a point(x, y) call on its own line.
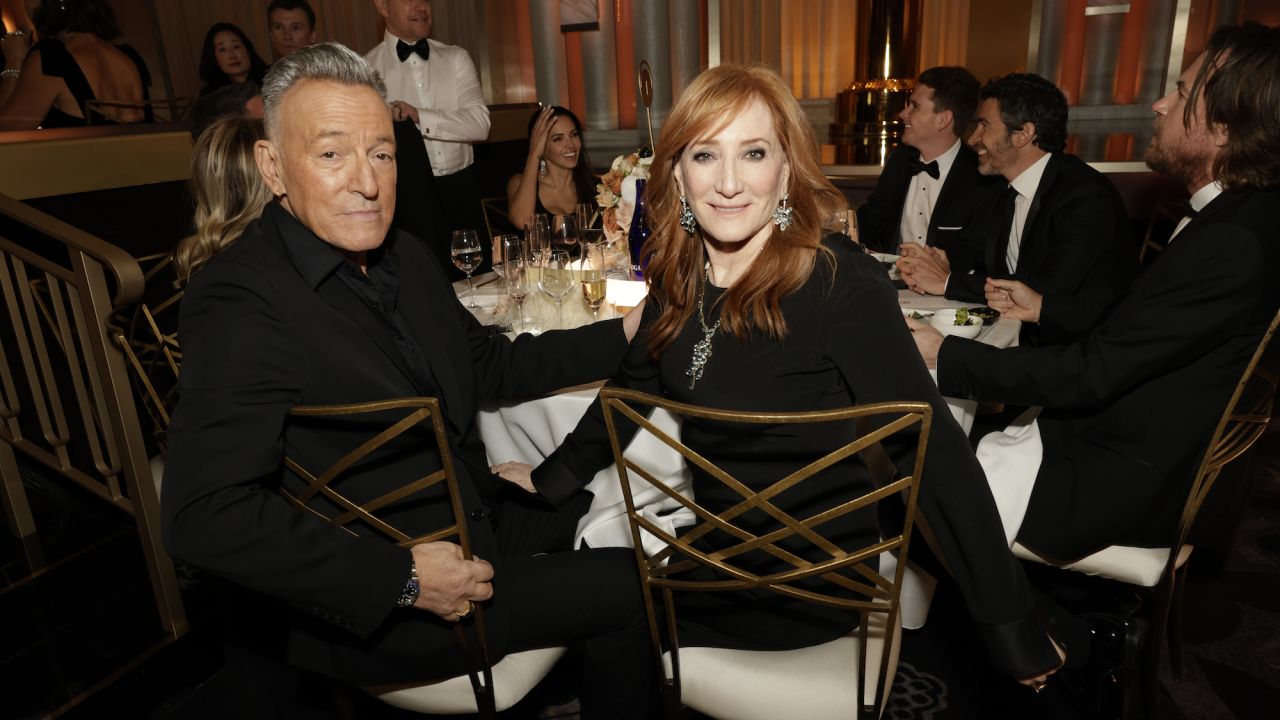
point(556, 279)
point(467, 255)
point(516, 275)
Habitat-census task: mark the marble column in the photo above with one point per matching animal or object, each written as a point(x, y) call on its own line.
point(599, 72)
point(549, 72)
point(652, 44)
point(686, 43)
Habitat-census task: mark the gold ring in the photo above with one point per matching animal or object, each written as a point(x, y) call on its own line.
point(1038, 687)
point(470, 608)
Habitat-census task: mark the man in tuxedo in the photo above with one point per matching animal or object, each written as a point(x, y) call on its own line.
point(1060, 226)
point(318, 304)
point(292, 24)
point(1128, 409)
point(436, 86)
point(930, 192)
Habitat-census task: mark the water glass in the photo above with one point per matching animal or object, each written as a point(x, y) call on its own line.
point(587, 215)
point(556, 279)
point(467, 256)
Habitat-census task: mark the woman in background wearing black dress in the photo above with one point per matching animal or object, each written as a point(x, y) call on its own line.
point(795, 322)
point(74, 62)
point(227, 57)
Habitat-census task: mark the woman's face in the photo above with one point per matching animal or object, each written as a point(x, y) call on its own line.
point(232, 57)
point(563, 143)
point(735, 178)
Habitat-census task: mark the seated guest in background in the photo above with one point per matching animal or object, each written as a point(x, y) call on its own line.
point(292, 24)
point(238, 100)
point(317, 303)
point(557, 173)
point(737, 200)
point(436, 86)
point(1129, 408)
point(930, 192)
point(74, 62)
point(226, 188)
point(227, 56)
point(1060, 226)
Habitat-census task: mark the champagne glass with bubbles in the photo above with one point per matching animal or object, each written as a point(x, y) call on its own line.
point(467, 256)
point(593, 279)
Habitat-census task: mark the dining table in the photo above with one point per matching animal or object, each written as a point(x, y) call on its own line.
point(529, 430)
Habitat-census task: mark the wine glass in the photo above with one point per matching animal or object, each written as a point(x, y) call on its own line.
point(556, 279)
point(564, 232)
point(467, 256)
point(538, 232)
point(517, 277)
point(587, 215)
point(593, 280)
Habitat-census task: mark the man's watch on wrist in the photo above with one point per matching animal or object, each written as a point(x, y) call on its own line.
point(409, 595)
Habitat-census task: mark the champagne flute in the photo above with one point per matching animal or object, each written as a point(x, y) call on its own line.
point(556, 279)
point(538, 232)
point(517, 278)
point(499, 256)
point(467, 256)
point(593, 281)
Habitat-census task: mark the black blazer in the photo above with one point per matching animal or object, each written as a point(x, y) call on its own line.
point(959, 220)
point(263, 329)
point(1130, 407)
point(1076, 251)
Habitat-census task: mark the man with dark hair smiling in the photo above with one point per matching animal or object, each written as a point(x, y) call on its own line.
point(930, 191)
point(1060, 226)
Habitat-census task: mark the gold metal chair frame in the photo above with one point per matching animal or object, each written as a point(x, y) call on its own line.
point(72, 410)
point(881, 594)
point(418, 410)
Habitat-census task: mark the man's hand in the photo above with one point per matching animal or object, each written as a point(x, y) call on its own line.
point(448, 583)
point(401, 110)
point(517, 473)
point(1014, 299)
point(927, 340)
point(924, 269)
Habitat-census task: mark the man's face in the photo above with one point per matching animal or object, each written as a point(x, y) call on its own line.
point(919, 121)
point(406, 19)
point(334, 163)
point(289, 31)
point(990, 139)
point(1184, 153)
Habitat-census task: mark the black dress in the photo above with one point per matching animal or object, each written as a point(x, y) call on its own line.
point(57, 61)
point(847, 344)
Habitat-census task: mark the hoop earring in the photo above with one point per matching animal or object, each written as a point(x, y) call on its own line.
point(687, 220)
point(782, 215)
point(542, 167)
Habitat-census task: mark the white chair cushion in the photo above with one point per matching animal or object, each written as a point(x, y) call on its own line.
point(513, 677)
point(812, 683)
point(1133, 565)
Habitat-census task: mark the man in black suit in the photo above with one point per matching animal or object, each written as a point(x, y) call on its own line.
point(1059, 227)
point(318, 304)
point(930, 191)
point(1129, 408)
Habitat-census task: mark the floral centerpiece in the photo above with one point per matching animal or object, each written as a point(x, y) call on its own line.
point(616, 192)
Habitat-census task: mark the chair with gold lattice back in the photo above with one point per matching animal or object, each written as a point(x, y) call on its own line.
point(847, 677)
point(1159, 574)
point(486, 689)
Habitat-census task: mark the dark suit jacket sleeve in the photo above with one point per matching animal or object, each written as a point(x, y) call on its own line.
point(1162, 322)
point(880, 215)
point(586, 450)
point(240, 377)
point(863, 314)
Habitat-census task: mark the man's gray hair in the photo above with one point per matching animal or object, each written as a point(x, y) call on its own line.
point(322, 61)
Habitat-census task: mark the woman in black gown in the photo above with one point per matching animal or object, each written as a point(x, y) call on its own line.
point(795, 322)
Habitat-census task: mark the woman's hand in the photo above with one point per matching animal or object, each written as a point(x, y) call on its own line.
point(541, 131)
point(517, 473)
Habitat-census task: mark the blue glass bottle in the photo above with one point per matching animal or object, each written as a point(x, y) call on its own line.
point(638, 233)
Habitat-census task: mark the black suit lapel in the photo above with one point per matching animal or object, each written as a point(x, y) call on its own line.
point(961, 167)
point(1030, 238)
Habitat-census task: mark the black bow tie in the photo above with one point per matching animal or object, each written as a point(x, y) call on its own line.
point(931, 168)
point(404, 49)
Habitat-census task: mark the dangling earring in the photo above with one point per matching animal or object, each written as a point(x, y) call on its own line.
point(687, 220)
point(782, 215)
point(542, 167)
